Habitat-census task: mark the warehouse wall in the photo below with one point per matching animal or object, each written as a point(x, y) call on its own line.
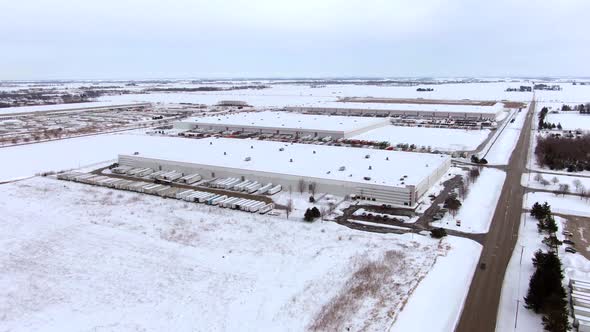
point(400, 196)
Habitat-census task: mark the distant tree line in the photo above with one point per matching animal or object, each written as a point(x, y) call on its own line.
point(209, 88)
point(582, 108)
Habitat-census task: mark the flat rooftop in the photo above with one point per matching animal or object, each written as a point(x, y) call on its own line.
point(265, 156)
point(289, 120)
point(411, 107)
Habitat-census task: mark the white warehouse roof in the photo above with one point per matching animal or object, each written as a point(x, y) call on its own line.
point(266, 156)
point(288, 120)
point(498, 107)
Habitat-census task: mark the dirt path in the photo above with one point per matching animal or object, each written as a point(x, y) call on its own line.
point(481, 306)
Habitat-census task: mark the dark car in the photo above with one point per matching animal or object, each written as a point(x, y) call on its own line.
point(571, 250)
point(566, 241)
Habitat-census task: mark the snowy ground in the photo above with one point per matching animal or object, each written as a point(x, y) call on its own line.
point(565, 204)
point(58, 107)
point(434, 295)
point(27, 160)
point(501, 150)
point(303, 94)
point(81, 258)
point(570, 120)
point(442, 139)
point(520, 269)
point(528, 180)
point(477, 209)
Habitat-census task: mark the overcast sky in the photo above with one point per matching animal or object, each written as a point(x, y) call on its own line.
point(134, 39)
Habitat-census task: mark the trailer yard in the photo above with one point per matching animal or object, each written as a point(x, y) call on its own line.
point(177, 190)
point(36, 127)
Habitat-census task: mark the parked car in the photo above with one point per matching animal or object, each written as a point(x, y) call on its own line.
point(570, 242)
point(567, 233)
point(571, 250)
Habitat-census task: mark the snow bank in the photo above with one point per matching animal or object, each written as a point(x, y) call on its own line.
point(442, 293)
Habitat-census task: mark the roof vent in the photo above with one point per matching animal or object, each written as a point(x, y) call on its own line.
point(313, 151)
point(251, 146)
point(247, 159)
point(281, 149)
point(224, 153)
point(367, 156)
point(342, 168)
point(386, 158)
point(370, 167)
point(291, 160)
point(367, 178)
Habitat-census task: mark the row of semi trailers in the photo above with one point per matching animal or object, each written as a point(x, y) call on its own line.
point(580, 301)
point(237, 184)
point(189, 195)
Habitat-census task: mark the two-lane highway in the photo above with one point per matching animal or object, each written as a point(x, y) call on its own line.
point(481, 306)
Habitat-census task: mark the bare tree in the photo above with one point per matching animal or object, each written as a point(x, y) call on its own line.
point(312, 187)
point(301, 186)
point(578, 185)
point(555, 180)
point(289, 207)
point(564, 188)
point(538, 177)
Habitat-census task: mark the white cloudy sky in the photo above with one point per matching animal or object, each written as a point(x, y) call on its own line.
point(59, 39)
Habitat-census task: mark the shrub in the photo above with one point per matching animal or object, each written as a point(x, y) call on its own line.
point(438, 233)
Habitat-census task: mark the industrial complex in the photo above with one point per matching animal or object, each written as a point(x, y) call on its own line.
point(387, 177)
point(411, 110)
point(282, 123)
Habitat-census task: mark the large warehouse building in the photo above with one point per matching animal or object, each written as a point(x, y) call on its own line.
point(387, 177)
point(413, 110)
point(285, 123)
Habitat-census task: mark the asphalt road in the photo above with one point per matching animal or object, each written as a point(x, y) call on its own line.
point(481, 306)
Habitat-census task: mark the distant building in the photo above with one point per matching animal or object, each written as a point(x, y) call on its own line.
point(232, 103)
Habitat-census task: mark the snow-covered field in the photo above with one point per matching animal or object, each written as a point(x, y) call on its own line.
point(442, 139)
point(564, 204)
point(27, 160)
point(477, 210)
point(570, 121)
point(303, 94)
point(83, 258)
point(501, 150)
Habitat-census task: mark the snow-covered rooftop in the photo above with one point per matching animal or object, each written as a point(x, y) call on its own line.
point(389, 168)
point(413, 107)
point(288, 120)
